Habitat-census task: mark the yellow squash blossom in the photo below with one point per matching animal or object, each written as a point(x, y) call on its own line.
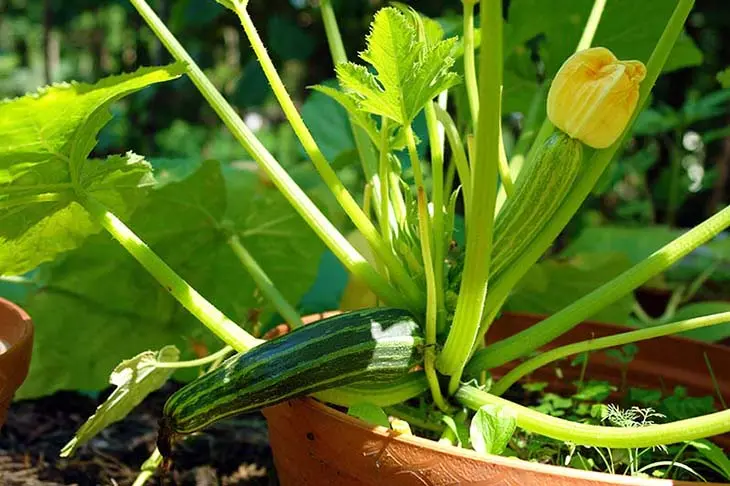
point(594, 95)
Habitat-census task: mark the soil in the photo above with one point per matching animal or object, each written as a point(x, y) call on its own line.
point(230, 453)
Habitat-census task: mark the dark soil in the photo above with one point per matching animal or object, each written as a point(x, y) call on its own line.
point(230, 453)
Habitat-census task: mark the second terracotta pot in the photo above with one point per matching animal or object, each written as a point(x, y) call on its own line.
point(16, 334)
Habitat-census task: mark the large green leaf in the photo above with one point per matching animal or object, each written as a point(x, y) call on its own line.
point(638, 243)
point(287, 40)
point(699, 309)
point(554, 284)
point(100, 306)
point(45, 139)
point(629, 28)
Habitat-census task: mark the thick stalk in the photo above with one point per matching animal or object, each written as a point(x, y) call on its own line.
point(436, 142)
point(203, 310)
point(602, 343)
point(600, 436)
point(470, 71)
point(344, 198)
point(472, 294)
point(264, 283)
point(335, 241)
point(569, 317)
point(587, 180)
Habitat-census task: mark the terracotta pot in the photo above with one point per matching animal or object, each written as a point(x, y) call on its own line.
point(16, 332)
point(314, 444)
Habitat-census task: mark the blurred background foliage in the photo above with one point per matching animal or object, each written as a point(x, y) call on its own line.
point(672, 174)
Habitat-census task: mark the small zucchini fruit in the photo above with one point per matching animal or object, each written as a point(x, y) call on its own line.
point(539, 191)
point(369, 345)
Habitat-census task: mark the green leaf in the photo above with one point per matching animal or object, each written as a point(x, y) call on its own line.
point(554, 284)
point(45, 139)
point(369, 413)
point(630, 29)
point(723, 77)
point(637, 243)
point(101, 306)
point(429, 30)
point(595, 391)
point(644, 397)
point(679, 406)
point(491, 429)
point(326, 115)
point(287, 40)
point(714, 454)
point(321, 119)
point(698, 309)
point(134, 379)
point(410, 72)
point(458, 429)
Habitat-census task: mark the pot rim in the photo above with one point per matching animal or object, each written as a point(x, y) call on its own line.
point(547, 469)
point(24, 320)
point(621, 328)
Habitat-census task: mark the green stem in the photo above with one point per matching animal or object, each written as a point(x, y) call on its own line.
point(335, 241)
point(203, 310)
point(332, 30)
point(470, 72)
point(527, 135)
point(606, 342)
point(472, 294)
point(363, 144)
point(224, 351)
point(417, 417)
point(424, 230)
point(715, 384)
point(148, 468)
point(561, 322)
point(589, 31)
point(436, 139)
point(675, 168)
point(382, 394)
point(264, 283)
point(37, 188)
point(458, 155)
point(35, 199)
point(504, 171)
point(599, 436)
point(325, 170)
point(587, 180)
point(384, 179)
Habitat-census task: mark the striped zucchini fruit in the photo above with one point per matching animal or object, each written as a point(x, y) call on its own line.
point(539, 191)
point(361, 346)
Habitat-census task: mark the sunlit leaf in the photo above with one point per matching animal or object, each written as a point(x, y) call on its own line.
point(134, 379)
point(491, 429)
point(45, 139)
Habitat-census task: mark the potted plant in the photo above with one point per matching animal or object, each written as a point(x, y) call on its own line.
point(439, 300)
point(16, 344)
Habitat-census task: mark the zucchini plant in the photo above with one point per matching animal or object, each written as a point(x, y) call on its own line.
point(439, 299)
